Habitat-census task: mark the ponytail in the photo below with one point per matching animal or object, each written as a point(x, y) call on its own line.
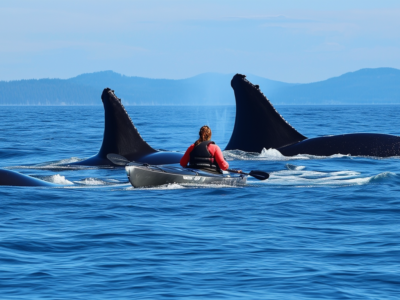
point(205, 135)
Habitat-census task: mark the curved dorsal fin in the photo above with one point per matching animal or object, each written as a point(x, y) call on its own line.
point(120, 135)
point(258, 125)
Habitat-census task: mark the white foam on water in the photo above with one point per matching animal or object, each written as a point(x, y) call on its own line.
point(114, 180)
point(383, 176)
point(238, 155)
point(58, 179)
point(170, 186)
point(303, 178)
point(213, 186)
point(273, 155)
point(91, 181)
point(176, 186)
point(294, 167)
point(116, 187)
point(266, 154)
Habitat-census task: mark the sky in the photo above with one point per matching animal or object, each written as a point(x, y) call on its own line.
point(296, 41)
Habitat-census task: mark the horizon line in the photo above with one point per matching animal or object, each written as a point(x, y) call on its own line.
point(134, 76)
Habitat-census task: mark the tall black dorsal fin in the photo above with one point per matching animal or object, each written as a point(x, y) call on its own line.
point(258, 125)
point(120, 135)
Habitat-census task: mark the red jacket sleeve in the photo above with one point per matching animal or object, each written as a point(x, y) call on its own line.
point(217, 153)
point(186, 157)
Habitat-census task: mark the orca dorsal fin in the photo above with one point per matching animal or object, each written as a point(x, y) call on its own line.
point(120, 135)
point(258, 125)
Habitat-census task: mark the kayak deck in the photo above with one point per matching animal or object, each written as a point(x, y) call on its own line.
point(147, 175)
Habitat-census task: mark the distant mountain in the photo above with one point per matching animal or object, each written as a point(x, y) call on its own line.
point(46, 92)
point(203, 89)
point(366, 86)
point(86, 89)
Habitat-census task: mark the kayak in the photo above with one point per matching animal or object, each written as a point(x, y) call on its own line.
point(144, 175)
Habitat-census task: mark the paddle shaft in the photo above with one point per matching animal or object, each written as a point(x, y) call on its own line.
point(237, 171)
point(260, 175)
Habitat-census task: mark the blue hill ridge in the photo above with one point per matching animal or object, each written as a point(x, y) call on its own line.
point(365, 86)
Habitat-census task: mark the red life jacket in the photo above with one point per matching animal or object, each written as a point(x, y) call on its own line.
point(201, 158)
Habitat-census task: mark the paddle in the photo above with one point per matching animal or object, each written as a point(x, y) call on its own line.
point(260, 175)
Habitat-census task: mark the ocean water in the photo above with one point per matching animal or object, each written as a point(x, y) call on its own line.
point(319, 228)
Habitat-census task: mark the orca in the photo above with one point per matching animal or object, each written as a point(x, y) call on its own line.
point(121, 137)
point(11, 178)
point(258, 125)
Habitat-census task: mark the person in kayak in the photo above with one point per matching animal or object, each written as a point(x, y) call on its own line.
point(204, 154)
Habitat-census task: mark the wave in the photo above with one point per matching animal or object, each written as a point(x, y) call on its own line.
point(293, 176)
point(297, 176)
point(86, 182)
point(294, 167)
point(57, 179)
point(92, 181)
point(272, 155)
point(176, 186)
point(383, 176)
point(170, 186)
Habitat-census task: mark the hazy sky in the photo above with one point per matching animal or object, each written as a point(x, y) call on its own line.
point(287, 40)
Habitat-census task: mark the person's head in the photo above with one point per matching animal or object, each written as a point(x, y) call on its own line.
point(205, 135)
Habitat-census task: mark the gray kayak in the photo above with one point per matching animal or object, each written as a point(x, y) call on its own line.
point(143, 175)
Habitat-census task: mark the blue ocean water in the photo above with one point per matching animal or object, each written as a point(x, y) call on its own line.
point(319, 228)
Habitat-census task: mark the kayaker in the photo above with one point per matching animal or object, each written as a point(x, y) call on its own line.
point(204, 154)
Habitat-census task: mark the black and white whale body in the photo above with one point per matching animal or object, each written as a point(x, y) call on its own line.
point(12, 178)
point(258, 125)
point(121, 137)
